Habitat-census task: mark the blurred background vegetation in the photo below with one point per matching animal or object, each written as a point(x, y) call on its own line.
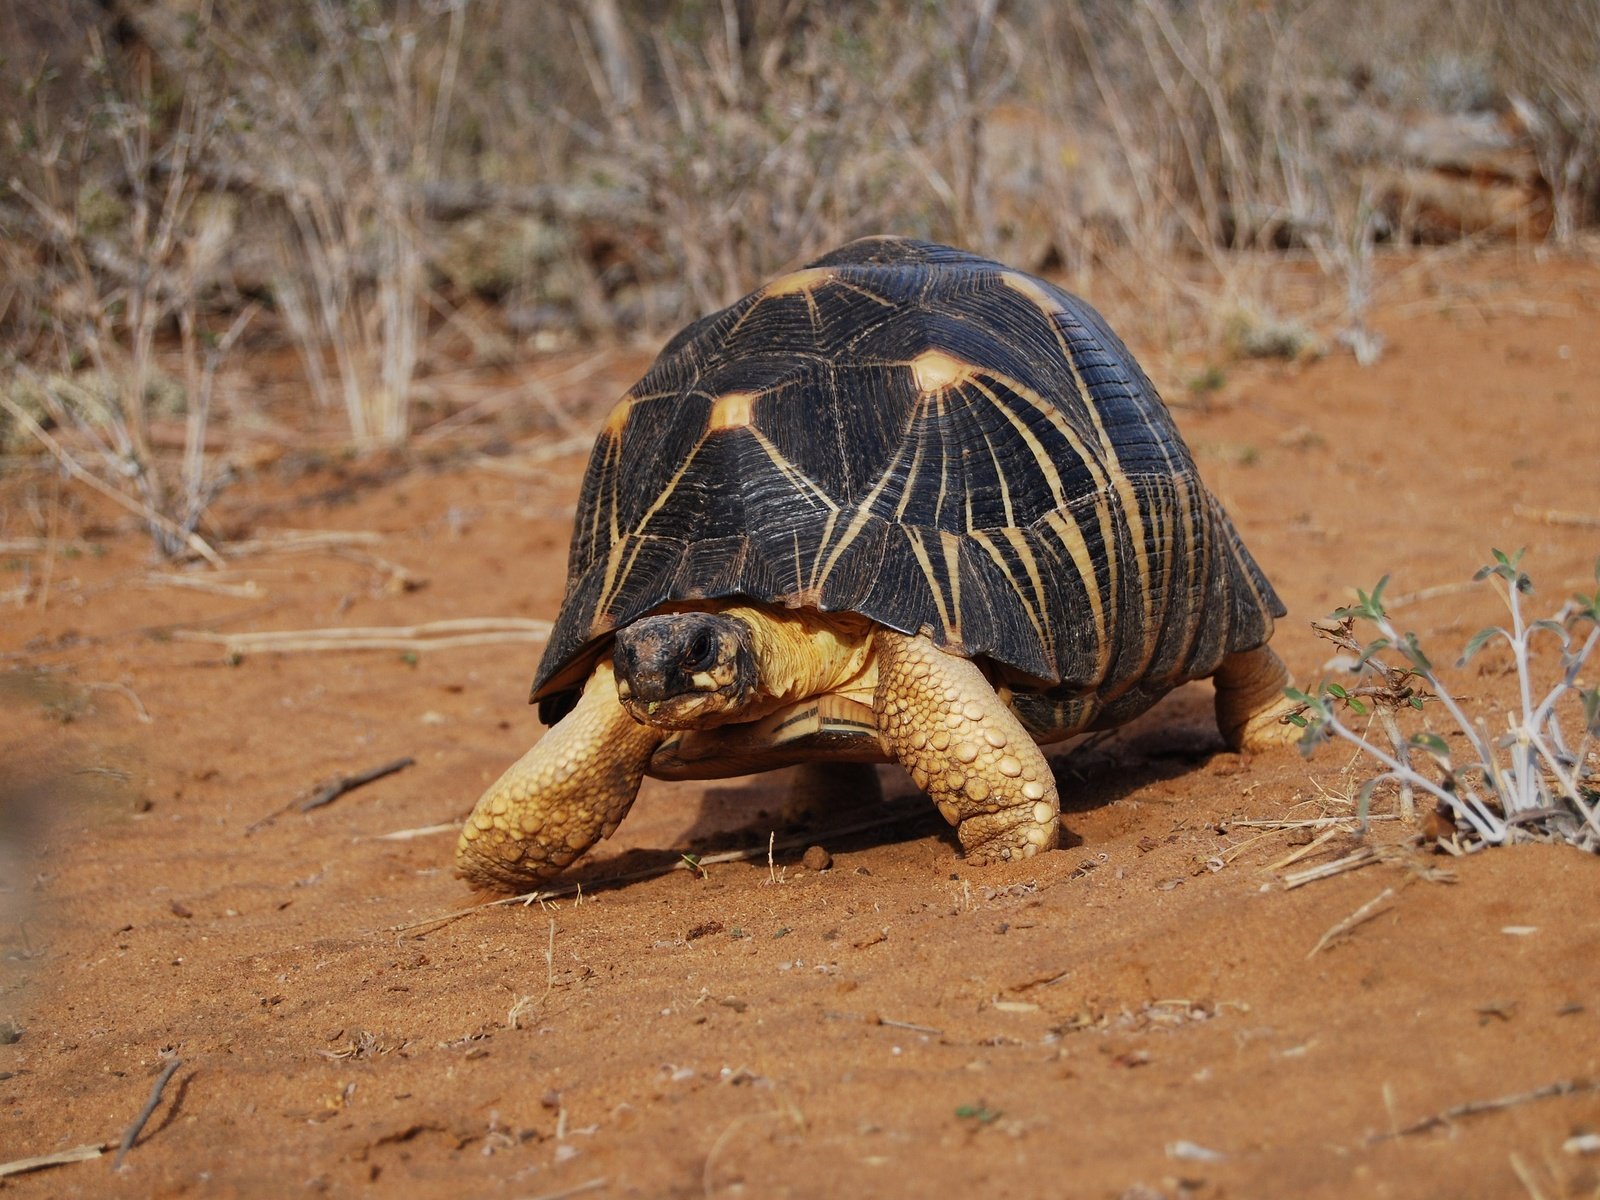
point(369, 192)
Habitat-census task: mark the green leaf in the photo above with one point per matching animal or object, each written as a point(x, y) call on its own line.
point(1376, 602)
point(1432, 743)
point(1298, 696)
point(980, 1113)
point(1335, 690)
point(1373, 647)
point(1479, 641)
point(1356, 706)
point(1416, 703)
point(1298, 719)
point(1369, 607)
point(1555, 627)
point(1413, 651)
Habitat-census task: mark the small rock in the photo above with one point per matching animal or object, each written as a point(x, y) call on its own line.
point(817, 859)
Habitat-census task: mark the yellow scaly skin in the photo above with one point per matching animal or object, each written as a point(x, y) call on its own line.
point(1250, 700)
point(941, 718)
point(936, 713)
point(572, 789)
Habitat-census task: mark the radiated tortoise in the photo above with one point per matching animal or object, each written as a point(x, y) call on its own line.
point(903, 505)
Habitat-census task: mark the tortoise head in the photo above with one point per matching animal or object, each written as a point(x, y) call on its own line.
point(686, 670)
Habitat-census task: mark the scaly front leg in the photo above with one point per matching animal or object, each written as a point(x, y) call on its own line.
point(572, 789)
point(940, 717)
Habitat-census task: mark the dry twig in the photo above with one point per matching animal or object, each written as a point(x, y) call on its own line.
point(126, 693)
point(406, 835)
point(1563, 1087)
point(248, 590)
point(348, 783)
point(1308, 823)
point(1555, 516)
point(1361, 915)
point(82, 1153)
point(132, 1135)
point(591, 1185)
point(1308, 849)
point(434, 635)
point(331, 791)
point(1350, 862)
point(297, 541)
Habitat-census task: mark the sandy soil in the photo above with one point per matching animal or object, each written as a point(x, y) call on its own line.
point(1138, 1014)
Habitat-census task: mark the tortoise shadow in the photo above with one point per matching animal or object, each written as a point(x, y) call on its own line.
point(1176, 738)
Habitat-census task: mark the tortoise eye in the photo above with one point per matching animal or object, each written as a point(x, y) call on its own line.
point(702, 651)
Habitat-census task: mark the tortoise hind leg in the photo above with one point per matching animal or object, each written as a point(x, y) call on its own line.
point(1250, 700)
point(561, 797)
point(941, 718)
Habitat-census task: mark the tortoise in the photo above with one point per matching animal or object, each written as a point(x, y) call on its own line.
point(901, 505)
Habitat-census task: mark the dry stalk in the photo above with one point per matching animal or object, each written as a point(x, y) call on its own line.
point(128, 694)
point(298, 541)
point(69, 463)
point(248, 590)
point(1554, 516)
point(1361, 915)
point(1363, 857)
point(1471, 1108)
point(434, 635)
point(1310, 847)
point(137, 1126)
point(20, 1166)
point(577, 1189)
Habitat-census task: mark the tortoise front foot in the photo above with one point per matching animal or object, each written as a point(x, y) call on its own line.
point(572, 789)
point(940, 717)
point(1250, 700)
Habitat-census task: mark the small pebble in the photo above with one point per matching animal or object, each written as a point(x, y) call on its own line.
point(817, 859)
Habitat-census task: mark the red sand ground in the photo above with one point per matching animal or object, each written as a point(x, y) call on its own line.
point(1115, 1019)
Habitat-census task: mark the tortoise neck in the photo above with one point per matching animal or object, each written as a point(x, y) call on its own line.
point(801, 653)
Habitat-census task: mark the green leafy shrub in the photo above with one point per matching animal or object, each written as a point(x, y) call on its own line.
point(1529, 782)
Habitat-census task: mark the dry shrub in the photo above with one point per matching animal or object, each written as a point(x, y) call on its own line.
point(108, 200)
point(1549, 56)
point(601, 166)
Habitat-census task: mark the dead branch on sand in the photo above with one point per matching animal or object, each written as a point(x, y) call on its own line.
point(1361, 915)
point(433, 635)
point(1562, 1087)
point(137, 1127)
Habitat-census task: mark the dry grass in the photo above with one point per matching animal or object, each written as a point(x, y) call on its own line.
point(393, 184)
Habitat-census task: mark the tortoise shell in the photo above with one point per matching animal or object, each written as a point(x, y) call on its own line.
point(930, 440)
